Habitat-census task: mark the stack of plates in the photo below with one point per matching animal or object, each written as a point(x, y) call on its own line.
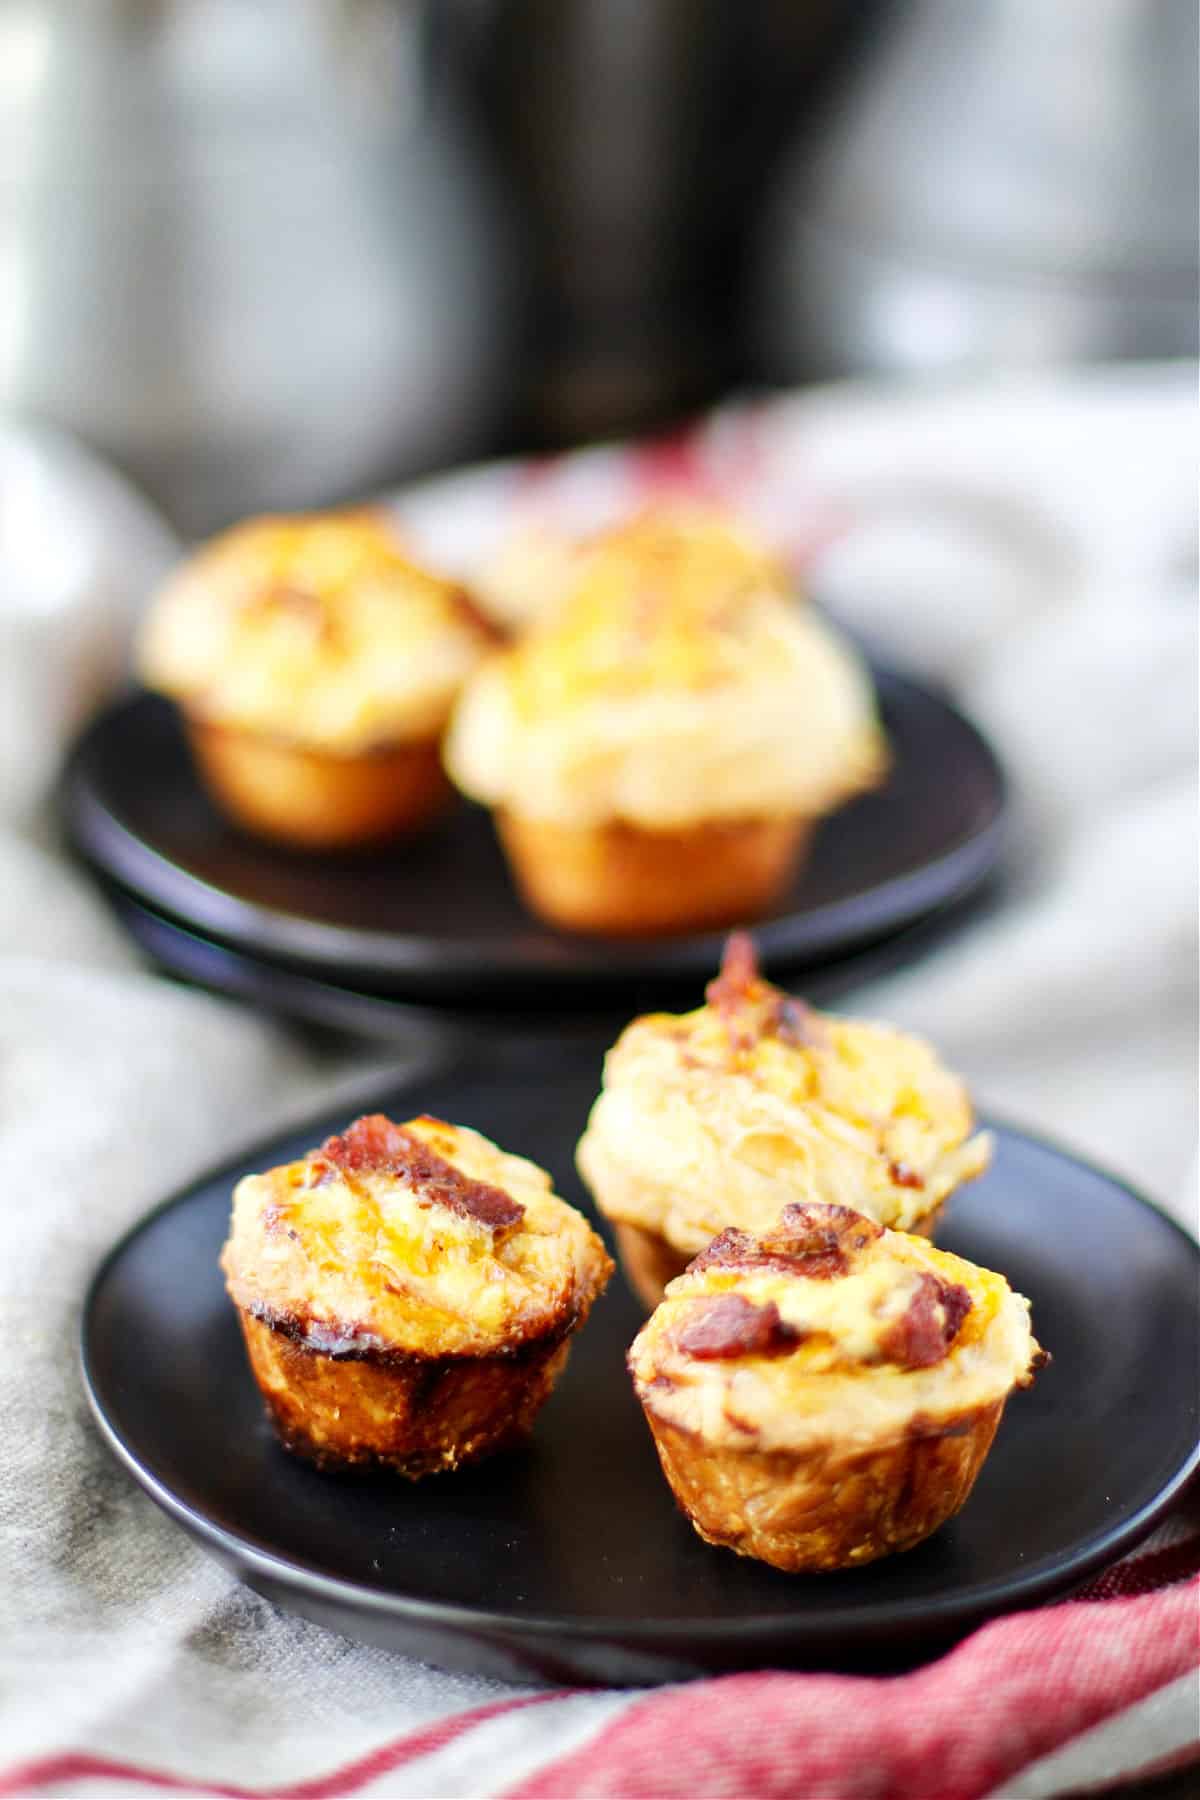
point(434, 926)
point(433, 929)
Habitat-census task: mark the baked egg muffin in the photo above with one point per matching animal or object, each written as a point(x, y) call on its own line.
point(657, 747)
point(316, 666)
point(825, 1392)
point(407, 1294)
point(724, 1115)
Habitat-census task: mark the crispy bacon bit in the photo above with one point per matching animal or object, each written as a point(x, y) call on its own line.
point(731, 992)
point(808, 1239)
point(819, 1240)
point(739, 974)
point(374, 1145)
point(738, 1250)
point(809, 1226)
point(926, 1330)
point(900, 1175)
point(371, 1143)
point(731, 1246)
point(750, 1008)
point(730, 1326)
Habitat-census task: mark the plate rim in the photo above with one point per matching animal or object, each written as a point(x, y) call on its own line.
point(897, 901)
point(806, 1628)
point(460, 1026)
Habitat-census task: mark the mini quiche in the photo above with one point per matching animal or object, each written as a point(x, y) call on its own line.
point(657, 747)
point(825, 1392)
point(316, 666)
point(407, 1294)
point(724, 1115)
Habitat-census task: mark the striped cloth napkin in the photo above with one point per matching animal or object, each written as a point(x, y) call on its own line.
point(1067, 1699)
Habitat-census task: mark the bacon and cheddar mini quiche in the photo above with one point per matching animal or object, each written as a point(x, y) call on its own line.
point(724, 1115)
point(657, 747)
point(316, 666)
point(407, 1294)
point(825, 1392)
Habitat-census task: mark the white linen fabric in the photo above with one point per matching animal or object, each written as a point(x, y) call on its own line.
point(1032, 543)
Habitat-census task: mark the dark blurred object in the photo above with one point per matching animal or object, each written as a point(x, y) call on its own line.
point(1003, 182)
point(638, 133)
point(245, 249)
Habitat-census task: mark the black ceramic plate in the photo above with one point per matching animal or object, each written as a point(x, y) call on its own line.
point(337, 1007)
point(568, 1560)
point(438, 919)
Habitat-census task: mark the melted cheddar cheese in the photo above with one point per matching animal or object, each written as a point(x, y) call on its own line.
point(313, 630)
point(422, 1238)
point(895, 1331)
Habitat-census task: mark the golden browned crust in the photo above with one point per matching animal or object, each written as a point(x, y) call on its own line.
point(316, 801)
point(416, 1415)
point(622, 880)
point(406, 1293)
point(828, 1508)
point(825, 1392)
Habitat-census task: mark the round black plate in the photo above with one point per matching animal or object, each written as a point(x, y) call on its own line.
point(334, 1006)
point(438, 919)
point(568, 1560)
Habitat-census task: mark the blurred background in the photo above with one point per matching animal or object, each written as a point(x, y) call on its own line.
point(279, 252)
